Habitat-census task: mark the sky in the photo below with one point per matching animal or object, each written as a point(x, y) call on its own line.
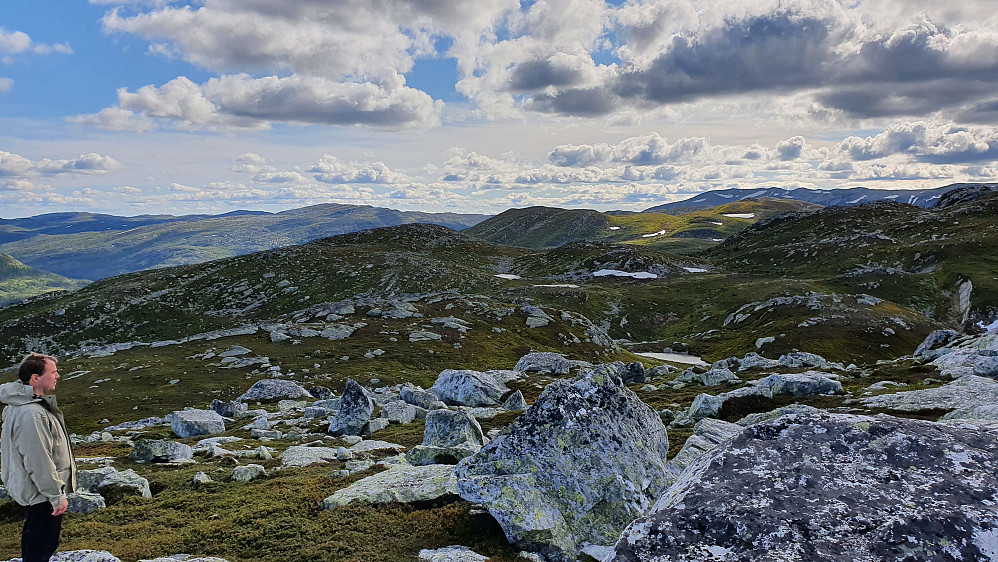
point(136, 107)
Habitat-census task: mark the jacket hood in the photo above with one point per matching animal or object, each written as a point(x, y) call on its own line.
point(16, 393)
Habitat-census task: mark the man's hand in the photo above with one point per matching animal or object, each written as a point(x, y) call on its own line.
point(61, 508)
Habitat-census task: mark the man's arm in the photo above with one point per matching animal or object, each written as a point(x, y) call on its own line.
point(34, 442)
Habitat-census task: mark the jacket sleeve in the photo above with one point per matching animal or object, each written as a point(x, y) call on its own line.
point(35, 445)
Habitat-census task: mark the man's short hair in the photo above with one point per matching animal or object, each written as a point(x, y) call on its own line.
point(33, 364)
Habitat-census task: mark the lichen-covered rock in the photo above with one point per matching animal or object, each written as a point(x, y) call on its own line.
point(190, 423)
point(582, 462)
point(984, 412)
point(398, 411)
point(799, 359)
point(85, 502)
point(450, 554)
point(965, 392)
point(515, 402)
point(795, 408)
point(422, 455)
point(707, 434)
point(446, 428)
point(83, 556)
point(712, 377)
point(157, 450)
point(543, 362)
point(89, 480)
point(753, 360)
point(228, 409)
point(468, 388)
point(299, 455)
point(375, 425)
point(810, 383)
point(830, 487)
point(125, 483)
point(356, 408)
point(247, 473)
point(420, 398)
point(270, 390)
point(400, 483)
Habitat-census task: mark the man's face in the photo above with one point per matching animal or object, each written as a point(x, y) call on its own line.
point(45, 382)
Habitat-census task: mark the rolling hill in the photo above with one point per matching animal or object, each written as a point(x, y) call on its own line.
point(18, 281)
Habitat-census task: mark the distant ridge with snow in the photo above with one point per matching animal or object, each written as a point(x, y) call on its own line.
point(823, 197)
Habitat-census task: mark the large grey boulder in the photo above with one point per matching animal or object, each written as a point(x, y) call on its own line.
point(469, 388)
point(157, 450)
point(190, 423)
point(89, 480)
point(398, 411)
point(810, 383)
point(401, 483)
point(543, 362)
point(515, 402)
point(231, 409)
point(450, 554)
point(716, 375)
point(982, 413)
point(753, 360)
point(271, 390)
point(830, 487)
point(582, 462)
point(356, 408)
point(125, 483)
point(627, 372)
point(82, 556)
point(246, 473)
point(418, 397)
point(447, 428)
point(965, 392)
point(707, 434)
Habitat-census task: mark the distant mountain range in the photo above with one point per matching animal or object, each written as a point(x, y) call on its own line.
point(93, 246)
point(824, 197)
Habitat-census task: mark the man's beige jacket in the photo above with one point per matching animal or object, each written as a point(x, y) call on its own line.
point(36, 459)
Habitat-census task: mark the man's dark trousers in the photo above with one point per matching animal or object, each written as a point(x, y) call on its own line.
point(40, 537)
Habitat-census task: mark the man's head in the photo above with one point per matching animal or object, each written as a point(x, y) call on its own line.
point(39, 371)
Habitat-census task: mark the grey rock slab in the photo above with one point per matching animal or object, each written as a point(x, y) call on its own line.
point(753, 360)
point(515, 402)
point(400, 483)
point(299, 455)
point(372, 445)
point(355, 409)
point(82, 556)
point(416, 396)
point(125, 483)
point(450, 554)
point(398, 411)
point(760, 417)
point(190, 423)
point(424, 336)
point(228, 409)
point(707, 434)
point(543, 362)
point(158, 450)
point(810, 383)
point(985, 412)
point(713, 377)
point(830, 487)
point(185, 558)
point(234, 351)
point(375, 425)
point(247, 473)
point(799, 359)
point(581, 463)
point(468, 388)
point(965, 392)
point(270, 390)
point(422, 455)
point(935, 344)
point(89, 480)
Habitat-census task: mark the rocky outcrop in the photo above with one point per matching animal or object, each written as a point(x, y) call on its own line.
point(935, 344)
point(450, 554)
point(418, 397)
point(190, 423)
point(449, 437)
point(117, 485)
point(400, 483)
point(156, 450)
point(231, 409)
point(469, 388)
point(582, 462)
point(356, 408)
point(965, 392)
point(300, 455)
point(515, 402)
point(753, 360)
point(707, 434)
point(830, 487)
point(714, 376)
point(398, 411)
point(271, 390)
point(799, 359)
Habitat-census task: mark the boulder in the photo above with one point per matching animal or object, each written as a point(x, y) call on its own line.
point(356, 407)
point(190, 423)
point(582, 462)
point(201, 479)
point(228, 409)
point(810, 383)
point(798, 359)
point(753, 360)
point(450, 554)
point(420, 398)
point(543, 362)
point(398, 411)
point(401, 483)
point(659, 370)
point(117, 485)
point(935, 344)
point(89, 480)
point(300, 455)
point(375, 425)
point(830, 487)
point(422, 455)
point(468, 388)
point(270, 390)
point(712, 377)
point(794, 408)
point(157, 450)
point(85, 503)
point(247, 473)
point(320, 392)
point(83, 556)
point(446, 428)
point(965, 392)
point(985, 412)
point(515, 402)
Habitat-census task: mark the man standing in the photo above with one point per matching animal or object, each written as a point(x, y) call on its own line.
point(36, 459)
